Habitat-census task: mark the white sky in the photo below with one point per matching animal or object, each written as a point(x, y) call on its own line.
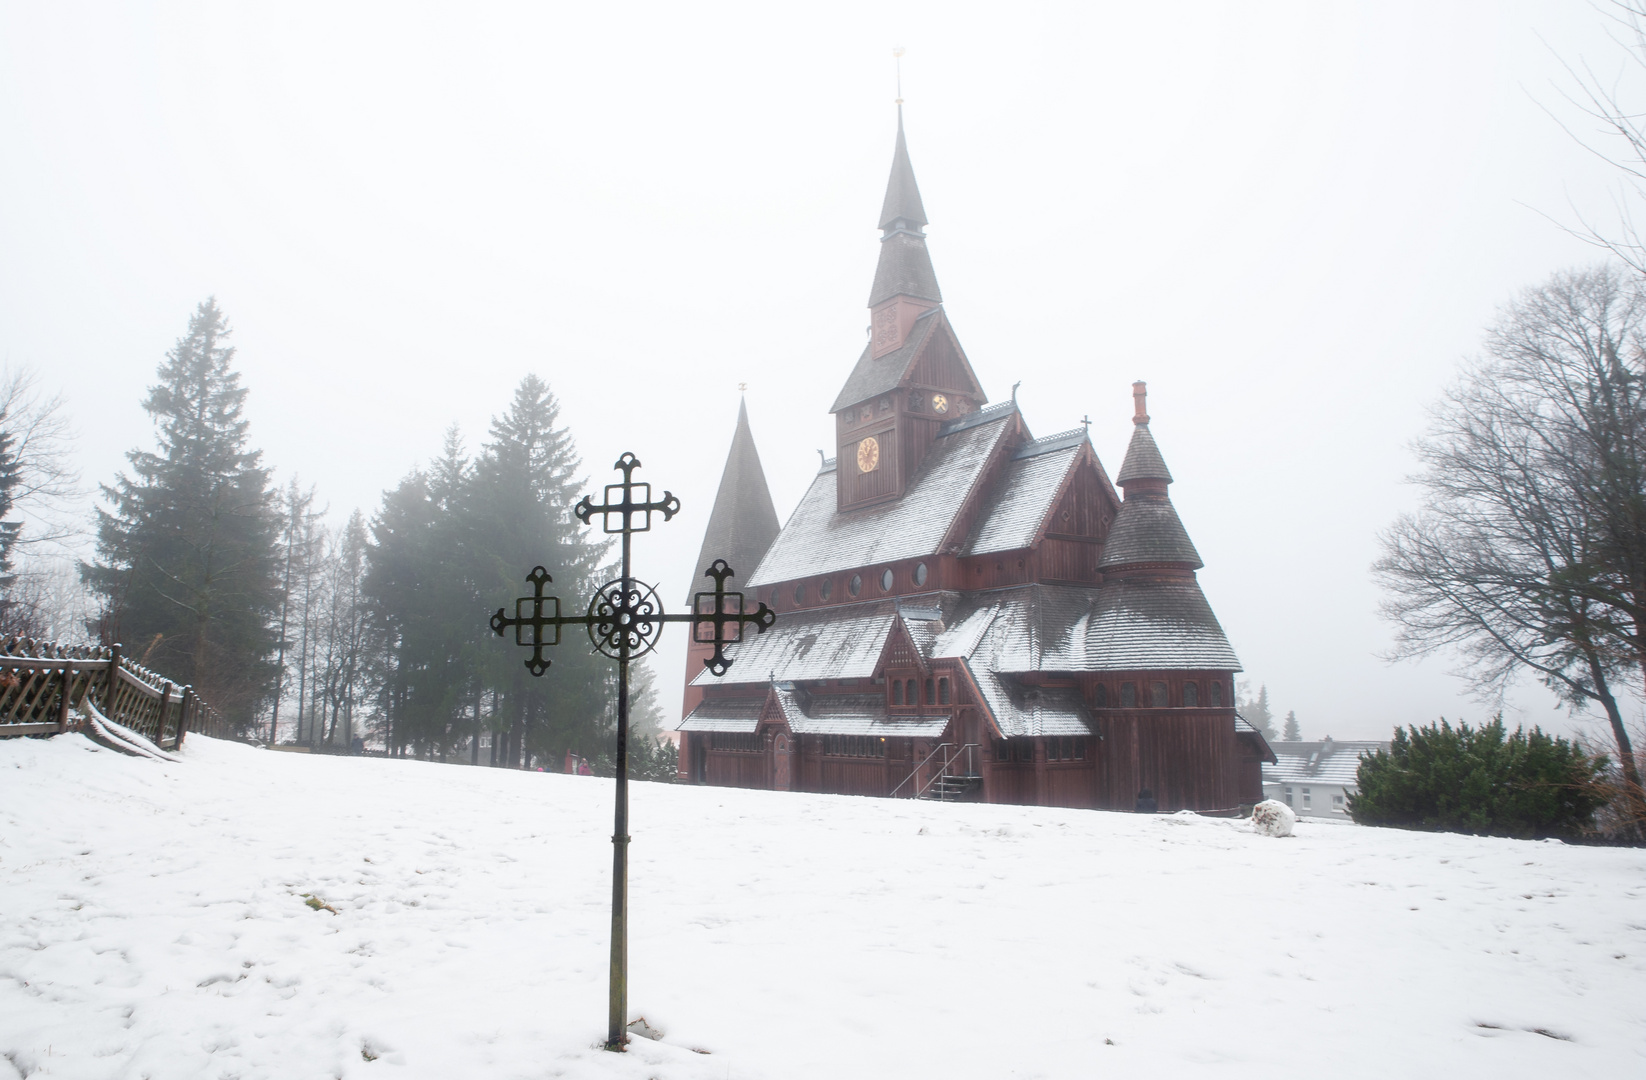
point(1291, 219)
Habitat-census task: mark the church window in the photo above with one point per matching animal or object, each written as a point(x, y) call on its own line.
point(1191, 695)
point(943, 691)
point(742, 742)
point(886, 580)
point(825, 589)
point(885, 404)
point(912, 692)
point(1158, 696)
point(800, 593)
point(1003, 751)
point(930, 697)
point(854, 746)
point(919, 574)
point(1217, 695)
point(1128, 695)
point(1102, 696)
point(1023, 751)
point(1067, 748)
point(897, 691)
point(855, 585)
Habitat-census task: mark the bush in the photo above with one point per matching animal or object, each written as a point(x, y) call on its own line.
point(1480, 780)
point(650, 758)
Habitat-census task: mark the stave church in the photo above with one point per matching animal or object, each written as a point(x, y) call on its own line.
point(965, 610)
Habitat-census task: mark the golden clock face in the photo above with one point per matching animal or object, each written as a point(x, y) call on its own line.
point(940, 403)
point(868, 455)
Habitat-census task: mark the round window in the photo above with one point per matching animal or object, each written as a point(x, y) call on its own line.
point(919, 574)
point(800, 593)
point(855, 585)
point(825, 589)
point(886, 580)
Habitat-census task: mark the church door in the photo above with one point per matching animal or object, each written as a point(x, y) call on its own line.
point(700, 758)
point(780, 762)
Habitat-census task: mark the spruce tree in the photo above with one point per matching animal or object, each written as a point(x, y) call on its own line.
point(1292, 732)
point(188, 568)
point(1257, 712)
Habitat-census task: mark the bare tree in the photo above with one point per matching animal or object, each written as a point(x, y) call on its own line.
point(1529, 553)
point(36, 481)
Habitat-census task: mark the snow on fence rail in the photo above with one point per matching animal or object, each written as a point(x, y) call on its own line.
point(42, 682)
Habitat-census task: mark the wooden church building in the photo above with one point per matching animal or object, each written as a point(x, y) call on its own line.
point(965, 610)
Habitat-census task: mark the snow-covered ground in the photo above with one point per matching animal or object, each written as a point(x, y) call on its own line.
point(153, 924)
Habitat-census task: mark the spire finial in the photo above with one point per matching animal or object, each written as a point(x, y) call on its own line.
point(742, 387)
point(897, 58)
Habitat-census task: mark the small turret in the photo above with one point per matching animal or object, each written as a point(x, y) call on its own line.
point(1147, 531)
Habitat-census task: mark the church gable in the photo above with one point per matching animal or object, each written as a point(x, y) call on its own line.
point(940, 364)
point(900, 652)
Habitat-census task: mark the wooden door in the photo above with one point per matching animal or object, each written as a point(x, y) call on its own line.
point(782, 777)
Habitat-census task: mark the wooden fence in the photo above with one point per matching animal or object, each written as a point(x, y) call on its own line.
point(43, 683)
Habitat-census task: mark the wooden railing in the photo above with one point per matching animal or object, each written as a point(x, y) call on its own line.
point(42, 685)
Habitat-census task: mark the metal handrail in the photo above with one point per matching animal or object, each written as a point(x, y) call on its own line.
point(942, 771)
point(918, 767)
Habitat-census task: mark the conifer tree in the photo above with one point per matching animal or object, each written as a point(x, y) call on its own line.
point(1256, 710)
point(1292, 732)
point(187, 568)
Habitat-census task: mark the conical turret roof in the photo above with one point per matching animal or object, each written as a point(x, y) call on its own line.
point(743, 523)
point(1143, 460)
point(1148, 530)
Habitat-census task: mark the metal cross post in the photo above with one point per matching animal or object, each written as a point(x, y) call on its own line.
point(624, 620)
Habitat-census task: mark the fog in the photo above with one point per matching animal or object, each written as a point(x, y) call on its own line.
point(1292, 220)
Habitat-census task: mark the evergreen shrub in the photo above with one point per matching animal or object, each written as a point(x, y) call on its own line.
point(1480, 780)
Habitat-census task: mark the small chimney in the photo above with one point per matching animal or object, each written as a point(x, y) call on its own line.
point(1140, 396)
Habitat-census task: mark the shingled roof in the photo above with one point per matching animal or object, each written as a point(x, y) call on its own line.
point(743, 523)
point(1143, 460)
point(873, 376)
point(902, 193)
point(819, 539)
point(1148, 530)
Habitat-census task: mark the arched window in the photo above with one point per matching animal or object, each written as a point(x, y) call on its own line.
point(897, 691)
point(1217, 695)
point(1102, 696)
point(930, 697)
point(913, 692)
point(1158, 696)
point(1128, 695)
point(855, 585)
point(943, 691)
point(1191, 695)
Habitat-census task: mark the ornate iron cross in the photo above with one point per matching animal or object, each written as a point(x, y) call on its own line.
point(624, 620)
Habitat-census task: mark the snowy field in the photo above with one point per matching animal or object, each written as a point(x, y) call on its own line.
point(153, 924)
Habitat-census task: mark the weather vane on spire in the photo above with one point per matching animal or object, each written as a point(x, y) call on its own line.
point(897, 57)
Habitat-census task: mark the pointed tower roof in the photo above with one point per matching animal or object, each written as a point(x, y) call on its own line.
point(743, 523)
point(902, 193)
point(905, 267)
point(1143, 460)
point(1147, 528)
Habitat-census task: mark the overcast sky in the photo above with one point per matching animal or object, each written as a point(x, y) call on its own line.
point(1292, 220)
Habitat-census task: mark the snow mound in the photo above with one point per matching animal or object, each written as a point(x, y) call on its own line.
point(1273, 818)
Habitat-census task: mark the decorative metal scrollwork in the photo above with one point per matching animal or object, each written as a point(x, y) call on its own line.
point(625, 616)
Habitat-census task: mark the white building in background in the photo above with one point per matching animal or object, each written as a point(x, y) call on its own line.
point(1316, 779)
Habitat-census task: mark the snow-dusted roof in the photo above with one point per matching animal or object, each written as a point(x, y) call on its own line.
point(829, 643)
point(1026, 492)
point(819, 539)
point(872, 376)
point(850, 714)
point(1031, 710)
point(1325, 762)
point(1124, 626)
point(736, 714)
point(1148, 530)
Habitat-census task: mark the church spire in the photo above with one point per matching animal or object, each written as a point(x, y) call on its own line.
point(905, 265)
point(743, 523)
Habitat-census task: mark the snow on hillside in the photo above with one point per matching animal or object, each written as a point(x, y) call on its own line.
point(153, 924)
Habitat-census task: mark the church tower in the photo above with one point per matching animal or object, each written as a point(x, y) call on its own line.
point(913, 376)
point(742, 526)
point(1148, 538)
